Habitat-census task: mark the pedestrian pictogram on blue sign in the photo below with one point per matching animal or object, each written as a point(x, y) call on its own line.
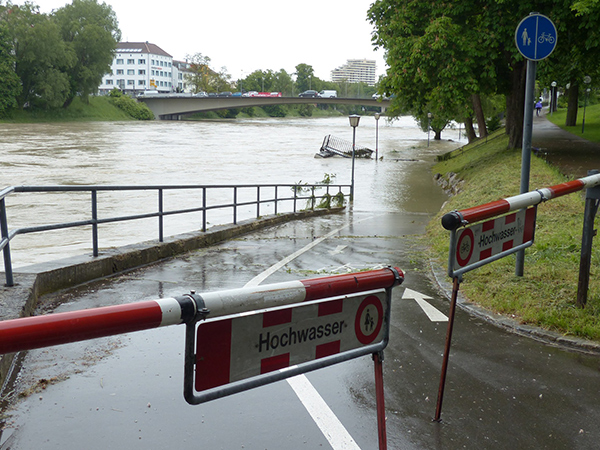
point(536, 37)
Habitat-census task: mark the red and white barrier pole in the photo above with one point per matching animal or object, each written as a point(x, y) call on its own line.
point(53, 329)
point(456, 219)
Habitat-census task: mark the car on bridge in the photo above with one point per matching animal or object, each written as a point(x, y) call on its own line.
point(309, 93)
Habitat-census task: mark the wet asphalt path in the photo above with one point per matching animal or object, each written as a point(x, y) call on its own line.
point(504, 391)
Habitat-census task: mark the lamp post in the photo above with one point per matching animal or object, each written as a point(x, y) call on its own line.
point(587, 80)
point(554, 99)
point(377, 116)
point(428, 126)
point(354, 119)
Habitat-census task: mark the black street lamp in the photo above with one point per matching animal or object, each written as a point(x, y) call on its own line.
point(587, 80)
point(554, 99)
point(354, 119)
point(428, 126)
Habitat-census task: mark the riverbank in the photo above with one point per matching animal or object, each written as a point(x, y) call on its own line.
point(545, 296)
point(100, 108)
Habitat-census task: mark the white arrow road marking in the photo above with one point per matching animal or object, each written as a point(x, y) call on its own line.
point(339, 249)
point(434, 314)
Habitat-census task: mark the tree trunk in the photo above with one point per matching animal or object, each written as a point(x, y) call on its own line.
point(573, 105)
point(480, 117)
point(515, 106)
point(469, 130)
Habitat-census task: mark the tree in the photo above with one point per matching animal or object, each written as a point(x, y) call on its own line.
point(450, 54)
point(41, 57)
point(305, 77)
point(10, 88)
point(91, 31)
point(203, 78)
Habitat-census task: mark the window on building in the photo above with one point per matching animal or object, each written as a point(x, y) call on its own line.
point(141, 82)
point(119, 61)
point(130, 71)
point(109, 82)
point(120, 71)
point(131, 61)
point(141, 61)
point(130, 82)
point(142, 72)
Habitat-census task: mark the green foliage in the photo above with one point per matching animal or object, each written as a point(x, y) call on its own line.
point(137, 110)
point(493, 124)
point(10, 87)
point(328, 178)
point(41, 57)
point(91, 32)
point(275, 110)
point(305, 110)
point(339, 200)
point(203, 78)
point(116, 92)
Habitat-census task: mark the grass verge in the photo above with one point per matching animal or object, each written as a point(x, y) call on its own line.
point(545, 296)
point(98, 109)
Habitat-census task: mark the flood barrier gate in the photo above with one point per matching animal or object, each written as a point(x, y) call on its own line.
point(243, 338)
point(485, 239)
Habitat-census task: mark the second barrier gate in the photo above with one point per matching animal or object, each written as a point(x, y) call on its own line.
point(484, 233)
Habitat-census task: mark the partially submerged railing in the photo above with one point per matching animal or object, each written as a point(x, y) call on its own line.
point(254, 194)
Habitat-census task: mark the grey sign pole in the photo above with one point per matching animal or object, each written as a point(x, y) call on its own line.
point(535, 38)
point(526, 150)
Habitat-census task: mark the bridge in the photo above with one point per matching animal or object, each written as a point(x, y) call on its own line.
point(171, 107)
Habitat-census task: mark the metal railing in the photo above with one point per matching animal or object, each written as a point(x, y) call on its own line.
point(254, 194)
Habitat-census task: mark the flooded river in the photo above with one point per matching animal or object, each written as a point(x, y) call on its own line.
point(243, 151)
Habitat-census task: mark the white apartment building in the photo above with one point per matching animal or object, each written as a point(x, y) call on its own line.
point(356, 71)
point(140, 66)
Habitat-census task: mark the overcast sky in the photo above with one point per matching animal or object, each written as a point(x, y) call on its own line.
point(244, 35)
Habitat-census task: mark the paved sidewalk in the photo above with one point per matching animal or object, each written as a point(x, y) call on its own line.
point(573, 155)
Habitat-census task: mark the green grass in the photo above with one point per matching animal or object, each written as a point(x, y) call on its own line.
point(546, 295)
point(592, 122)
point(98, 109)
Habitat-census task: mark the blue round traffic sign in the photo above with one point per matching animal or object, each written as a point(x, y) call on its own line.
point(536, 37)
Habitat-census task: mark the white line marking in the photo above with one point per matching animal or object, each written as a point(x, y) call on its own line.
point(324, 417)
point(331, 427)
point(433, 313)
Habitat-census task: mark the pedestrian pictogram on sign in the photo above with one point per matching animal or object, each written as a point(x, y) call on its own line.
point(536, 37)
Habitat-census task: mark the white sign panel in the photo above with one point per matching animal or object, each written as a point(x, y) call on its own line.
point(251, 344)
point(484, 241)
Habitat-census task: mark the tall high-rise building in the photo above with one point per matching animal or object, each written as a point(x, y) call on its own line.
point(356, 71)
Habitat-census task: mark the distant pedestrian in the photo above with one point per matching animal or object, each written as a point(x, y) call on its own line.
point(538, 108)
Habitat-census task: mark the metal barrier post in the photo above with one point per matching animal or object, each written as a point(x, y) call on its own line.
point(295, 197)
point(6, 251)
point(204, 210)
point(438, 410)
point(160, 215)
point(275, 211)
point(380, 398)
point(592, 200)
point(95, 222)
point(257, 202)
point(235, 205)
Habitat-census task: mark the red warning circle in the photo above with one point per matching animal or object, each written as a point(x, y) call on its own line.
point(464, 248)
point(369, 320)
